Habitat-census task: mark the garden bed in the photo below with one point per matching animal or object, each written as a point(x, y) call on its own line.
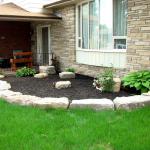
point(81, 88)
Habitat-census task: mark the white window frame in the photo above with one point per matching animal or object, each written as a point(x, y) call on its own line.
point(80, 38)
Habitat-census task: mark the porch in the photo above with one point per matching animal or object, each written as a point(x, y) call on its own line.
point(17, 34)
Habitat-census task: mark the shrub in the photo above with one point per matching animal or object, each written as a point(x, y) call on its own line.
point(104, 81)
point(139, 80)
point(70, 70)
point(25, 71)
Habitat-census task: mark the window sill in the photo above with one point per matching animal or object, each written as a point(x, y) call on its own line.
point(104, 50)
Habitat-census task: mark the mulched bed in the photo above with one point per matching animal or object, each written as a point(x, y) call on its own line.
point(82, 88)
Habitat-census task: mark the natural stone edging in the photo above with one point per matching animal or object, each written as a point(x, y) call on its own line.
point(63, 102)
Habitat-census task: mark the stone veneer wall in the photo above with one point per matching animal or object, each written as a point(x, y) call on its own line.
point(138, 53)
point(63, 43)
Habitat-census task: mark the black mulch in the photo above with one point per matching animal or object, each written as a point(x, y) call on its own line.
point(82, 88)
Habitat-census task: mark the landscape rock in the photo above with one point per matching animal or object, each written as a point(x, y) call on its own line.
point(146, 94)
point(6, 93)
point(67, 75)
point(117, 84)
point(98, 104)
point(49, 102)
point(2, 76)
point(47, 69)
point(4, 85)
point(62, 84)
point(22, 99)
point(40, 75)
point(131, 102)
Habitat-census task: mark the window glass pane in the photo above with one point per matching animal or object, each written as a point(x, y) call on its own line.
point(85, 26)
point(106, 24)
point(120, 17)
point(120, 43)
point(94, 24)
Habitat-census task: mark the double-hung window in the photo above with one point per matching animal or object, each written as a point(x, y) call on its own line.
point(102, 25)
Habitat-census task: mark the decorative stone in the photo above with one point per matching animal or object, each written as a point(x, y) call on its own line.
point(22, 99)
point(62, 84)
point(40, 75)
point(2, 76)
point(49, 102)
point(6, 93)
point(4, 85)
point(117, 84)
point(67, 75)
point(131, 101)
point(146, 94)
point(47, 69)
point(97, 104)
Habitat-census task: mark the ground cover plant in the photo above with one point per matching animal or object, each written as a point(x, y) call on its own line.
point(104, 81)
point(25, 71)
point(79, 129)
point(139, 80)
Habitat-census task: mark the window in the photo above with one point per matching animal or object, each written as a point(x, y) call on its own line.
point(102, 24)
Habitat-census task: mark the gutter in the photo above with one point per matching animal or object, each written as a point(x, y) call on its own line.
point(59, 3)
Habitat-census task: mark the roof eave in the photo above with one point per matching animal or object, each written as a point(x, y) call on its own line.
point(60, 4)
point(28, 18)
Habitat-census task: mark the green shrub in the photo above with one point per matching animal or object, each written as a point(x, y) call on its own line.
point(70, 69)
point(25, 71)
point(104, 81)
point(139, 80)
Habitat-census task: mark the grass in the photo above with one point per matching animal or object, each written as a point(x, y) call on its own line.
point(26, 128)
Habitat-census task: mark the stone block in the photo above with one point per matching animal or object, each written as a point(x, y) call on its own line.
point(131, 102)
point(67, 75)
point(4, 85)
point(117, 84)
point(40, 75)
point(62, 84)
point(98, 104)
point(2, 76)
point(47, 69)
point(49, 102)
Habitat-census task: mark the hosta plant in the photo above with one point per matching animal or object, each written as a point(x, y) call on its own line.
point(104, 81)
point(25, 71)
point(139, 80)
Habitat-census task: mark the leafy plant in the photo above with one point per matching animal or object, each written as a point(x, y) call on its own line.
point(70, 69)
point(139, 80)
point(104, 81)
point(25, 71)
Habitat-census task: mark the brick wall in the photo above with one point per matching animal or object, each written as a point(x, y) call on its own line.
point(14, 35)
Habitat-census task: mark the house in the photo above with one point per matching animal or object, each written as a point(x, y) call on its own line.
point(87, 35)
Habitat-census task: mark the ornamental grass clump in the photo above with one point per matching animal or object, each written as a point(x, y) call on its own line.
point(104, 81)
point(139, 80)
point(25, 71)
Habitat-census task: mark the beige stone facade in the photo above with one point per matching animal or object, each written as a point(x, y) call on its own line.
point(138, 52)
point(63, 39)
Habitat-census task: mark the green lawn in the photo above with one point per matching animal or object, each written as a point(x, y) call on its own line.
point(26, 128)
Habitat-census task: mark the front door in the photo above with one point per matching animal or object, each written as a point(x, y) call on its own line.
point(43, 44)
